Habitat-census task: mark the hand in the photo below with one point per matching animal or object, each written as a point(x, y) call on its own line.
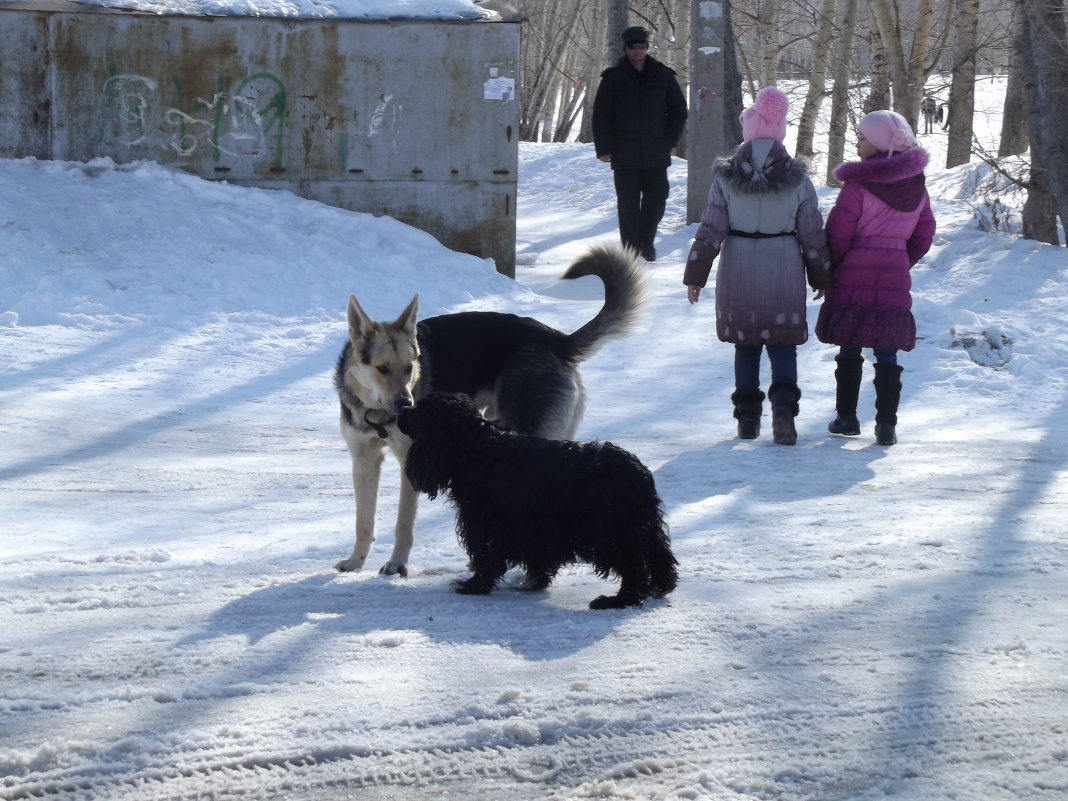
point(818, 295)
point(693, 293)
point(606, 158)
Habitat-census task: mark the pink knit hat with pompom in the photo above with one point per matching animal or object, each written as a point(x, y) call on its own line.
point(766, 118)
point(887, 131)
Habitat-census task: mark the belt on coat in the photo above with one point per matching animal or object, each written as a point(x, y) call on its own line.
point(759, 234)
point(889, 242)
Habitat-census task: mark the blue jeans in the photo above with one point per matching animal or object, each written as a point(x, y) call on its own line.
point(783, 360)
point(881, 356)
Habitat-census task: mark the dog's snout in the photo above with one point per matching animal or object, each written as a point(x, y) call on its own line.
point(404, 403)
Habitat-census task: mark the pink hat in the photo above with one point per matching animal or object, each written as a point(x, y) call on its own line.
point(887, 131)
point(766, 118)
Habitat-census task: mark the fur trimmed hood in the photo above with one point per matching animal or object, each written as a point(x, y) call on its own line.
point(897, 180)
point(762, 165)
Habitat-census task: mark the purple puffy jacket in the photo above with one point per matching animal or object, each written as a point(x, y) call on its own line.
point(880, 226)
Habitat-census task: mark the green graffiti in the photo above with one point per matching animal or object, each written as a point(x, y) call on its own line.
point(270, 115)
point(250, 121)
point(182, 117)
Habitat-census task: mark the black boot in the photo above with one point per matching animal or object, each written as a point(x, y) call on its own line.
point(887, 396)
point(784, 396)
point(748, 406)
point(847, 389)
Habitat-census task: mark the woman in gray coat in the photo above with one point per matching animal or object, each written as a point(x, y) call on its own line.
point(764, 223)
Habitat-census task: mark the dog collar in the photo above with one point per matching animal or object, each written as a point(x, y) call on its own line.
point(380, 428)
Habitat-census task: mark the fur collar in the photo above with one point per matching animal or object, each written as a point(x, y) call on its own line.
point(884, 169)
point(760, 166)
point(896, 180)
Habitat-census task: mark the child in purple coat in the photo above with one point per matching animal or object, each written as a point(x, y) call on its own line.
point(880, 226)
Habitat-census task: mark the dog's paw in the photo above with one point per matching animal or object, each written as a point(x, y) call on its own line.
point(534, 582)
point(614, 602)
point(472, 586)
point(351, 564)
point(394, 569)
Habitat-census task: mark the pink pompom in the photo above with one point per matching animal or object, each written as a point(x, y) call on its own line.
point(766, 118)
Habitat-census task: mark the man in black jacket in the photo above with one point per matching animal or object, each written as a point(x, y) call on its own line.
point(638, 116)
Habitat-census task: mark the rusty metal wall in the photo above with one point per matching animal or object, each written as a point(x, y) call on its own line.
point(417, 120)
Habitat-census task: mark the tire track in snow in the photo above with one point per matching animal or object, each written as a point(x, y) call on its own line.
point(855, 750)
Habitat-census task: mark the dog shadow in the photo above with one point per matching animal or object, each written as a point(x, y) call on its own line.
point(547, 625)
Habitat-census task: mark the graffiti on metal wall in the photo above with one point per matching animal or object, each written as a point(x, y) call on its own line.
point(245, 121)
point(127, 104)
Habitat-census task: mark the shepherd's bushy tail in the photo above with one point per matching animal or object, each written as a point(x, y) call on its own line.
point(624, 297)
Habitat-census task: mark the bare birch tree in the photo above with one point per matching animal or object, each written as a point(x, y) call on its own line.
point(962, 90)
point(817, 79)
point(596, 19)
point(840, 90)
point(1014, 112)
point(757, 24)
point(911, 65)
point(618, 21)
point(1045, 56)
point(546, 44)
point(879, 91)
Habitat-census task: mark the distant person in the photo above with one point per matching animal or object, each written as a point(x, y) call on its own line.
point(880, 226)
point(638, 116)
point(929, 108)
point(763, 222)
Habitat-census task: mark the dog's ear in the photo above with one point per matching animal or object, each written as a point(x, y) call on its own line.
point(360, 325)
point(407, 421)
point(407, 318)
point(424, 471)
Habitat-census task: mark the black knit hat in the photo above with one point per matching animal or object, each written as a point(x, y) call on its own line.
point(635, 34)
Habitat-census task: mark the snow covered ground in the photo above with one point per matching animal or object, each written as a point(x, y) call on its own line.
point(853, 622)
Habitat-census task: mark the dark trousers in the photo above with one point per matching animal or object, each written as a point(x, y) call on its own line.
point(783, 360)
point(641, 195)
point(881, 356)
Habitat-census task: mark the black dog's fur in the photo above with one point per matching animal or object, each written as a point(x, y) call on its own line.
point(540, 504)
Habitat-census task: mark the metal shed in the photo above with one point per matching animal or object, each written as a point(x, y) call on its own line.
point(415, 119)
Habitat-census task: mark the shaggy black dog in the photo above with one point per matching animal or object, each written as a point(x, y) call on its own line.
point(540, 503)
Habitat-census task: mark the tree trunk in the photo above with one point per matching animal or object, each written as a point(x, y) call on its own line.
point(817, 81)
point(707, 53)
point(770, 50)
point(732, 84)
point(1014, 114)
point(909, 73)
point(879, 95)
point(843, 67)
point(618, 21)
point(682, 64)
point(1046, 68)
point(962, 90)
point(569, 94)
point(1039, 214)
point(597, 24)
point(547, 44)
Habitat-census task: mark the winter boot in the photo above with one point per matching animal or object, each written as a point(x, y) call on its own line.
point(887, 396)
point(748, 406)
point(847, 381)
point(784, 396)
